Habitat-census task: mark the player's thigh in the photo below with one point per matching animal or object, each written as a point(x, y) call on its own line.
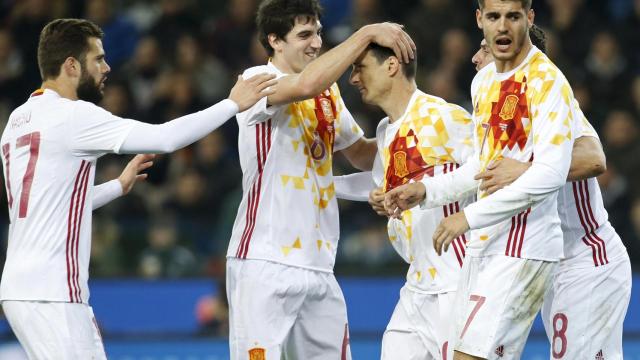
point(401, 339)
point(321, 330)
point(54, 329)
point(498, 299)
point(264, 299)
point(588, 310)
point(432, 317)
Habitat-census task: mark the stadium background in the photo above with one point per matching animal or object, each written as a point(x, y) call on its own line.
point(157, 261)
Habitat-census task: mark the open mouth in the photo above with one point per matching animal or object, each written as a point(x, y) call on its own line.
point(503, 43)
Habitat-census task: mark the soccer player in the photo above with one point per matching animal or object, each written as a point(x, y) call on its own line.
point(49, 149)
point(421, 136)
point(284, 299)
point(523, 109)
point(583, 311)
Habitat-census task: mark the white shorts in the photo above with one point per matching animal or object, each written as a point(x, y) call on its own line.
point(584, 309)
point(55, 330)
point(284, 312)
point(498, 299)
point(420, 327)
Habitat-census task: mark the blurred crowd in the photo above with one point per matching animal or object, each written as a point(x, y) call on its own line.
point(173, 57)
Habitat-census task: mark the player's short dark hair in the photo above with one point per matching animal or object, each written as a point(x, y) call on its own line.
point(526, 4)
point(382, 53)
point(279, 17)
point(61, 39)
point(538, 38)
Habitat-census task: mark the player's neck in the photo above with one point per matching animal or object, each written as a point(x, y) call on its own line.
point(281, 64)
point(508, 65)
point(395, 104)
point(61, 88)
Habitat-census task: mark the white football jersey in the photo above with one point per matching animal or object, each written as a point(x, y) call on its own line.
point(289, 213)
point(432, 137)
point(527, 114)
point(589, 238)
point(49, 151)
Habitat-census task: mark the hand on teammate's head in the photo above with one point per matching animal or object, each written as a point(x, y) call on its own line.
point(393, 36)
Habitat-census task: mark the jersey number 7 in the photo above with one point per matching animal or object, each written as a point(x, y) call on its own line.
point(33, 141)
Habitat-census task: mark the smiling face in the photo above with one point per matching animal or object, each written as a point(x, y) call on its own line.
point(482, 57)
point(505, 24)
point(368, 75)
point(94, 73)
point(300, 46)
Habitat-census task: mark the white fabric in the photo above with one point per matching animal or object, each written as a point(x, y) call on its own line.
point(420, 327)
point(106, 192)
point(354, 187)
point(55, 330)
point(521, 219)
point(429, 139)
point(50, 205)
point(177, 133)
point(584, 310)
point(506, 294)
point(289, 213)
point(286, 312)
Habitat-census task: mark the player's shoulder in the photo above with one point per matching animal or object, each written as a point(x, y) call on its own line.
point(261, 69)
point(482, 75)
point(541, 68)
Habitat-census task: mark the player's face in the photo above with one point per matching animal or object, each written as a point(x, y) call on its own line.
point(368, 76)
point(302, 44)
point(482, 57)
point(94, 73)
point(505, 25)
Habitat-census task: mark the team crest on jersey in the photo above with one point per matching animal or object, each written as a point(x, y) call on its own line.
point(257, 354)
point(400, 164)
point(509, 107)
point(327, 109)
point(318, 148)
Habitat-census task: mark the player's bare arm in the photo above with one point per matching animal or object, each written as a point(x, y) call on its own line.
point(376, 200)
point(132, 173)
point(587, 161)
point(326, 69)
point(404, 198)
point(362, 153)
point(449, 228)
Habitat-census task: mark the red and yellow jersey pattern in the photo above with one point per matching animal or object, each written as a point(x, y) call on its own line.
point(431, 138)
point(289, 213)
point(527, 114)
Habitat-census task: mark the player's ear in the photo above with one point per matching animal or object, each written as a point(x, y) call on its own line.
point(530, 17)
point(479, 18)
point(393, 66)
point(275, 42)
point(71, 67)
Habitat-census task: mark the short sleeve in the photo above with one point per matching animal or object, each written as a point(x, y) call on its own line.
point(347, 130)
point(261, 111)
point(93, 131)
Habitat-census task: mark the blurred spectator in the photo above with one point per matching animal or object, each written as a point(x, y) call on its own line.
point(230, 37)
point(606, 71)
point(212, 313)
point(120, 35)
point(177, 17)
point(164, 257)
point(574, 25)
point(622, 144)
point(143, 71)
point(106, 253)
point(209, 75)
point(11, 72)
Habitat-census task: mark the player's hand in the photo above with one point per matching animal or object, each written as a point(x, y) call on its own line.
point(247, 92)
point(376, 200)
point(449, 228)
point(131, 172)
point(393, 36)
point(403, 198)
point(501, 173)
